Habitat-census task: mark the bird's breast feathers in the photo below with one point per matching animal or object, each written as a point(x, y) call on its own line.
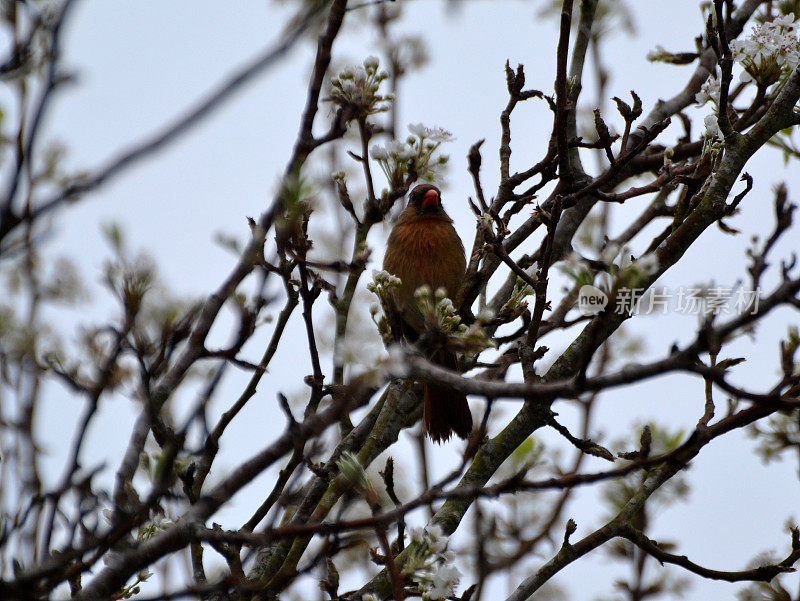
point(425, 251)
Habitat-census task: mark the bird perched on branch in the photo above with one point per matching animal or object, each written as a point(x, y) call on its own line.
point(424, 249)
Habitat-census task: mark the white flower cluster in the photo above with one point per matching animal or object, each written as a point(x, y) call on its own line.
point(770, 52)
point(709, 91)
point(394, 150)
point(158, 524)
point(437, 310)
point(767, 56)
point(383, 278)
point(358, 88)
point(446, 314)
point(712, 127)
point(433, 569)
point(398, 158)
point(434, 134)
point(381, 286)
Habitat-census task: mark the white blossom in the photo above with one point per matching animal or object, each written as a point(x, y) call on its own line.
point(446, 305)
point(162, 523)
point(709, 91)
point(349, 349)
point(371, 62)
point(396, 363)
point(359, 88)
point(379, 153)
point(435, 572)
point(417, 535)
point(381, 276)
point(712, 127)
point(400, 151)
point(445, 580)
point(771, 49)
point(422, 292)
point(435, 133)
point(348, 87)
point(437, 541)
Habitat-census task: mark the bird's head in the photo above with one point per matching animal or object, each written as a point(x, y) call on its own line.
point(426, 199)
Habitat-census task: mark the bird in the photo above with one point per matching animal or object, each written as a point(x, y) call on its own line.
point(424, 249)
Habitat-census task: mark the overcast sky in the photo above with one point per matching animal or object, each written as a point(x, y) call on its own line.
point(140, 63)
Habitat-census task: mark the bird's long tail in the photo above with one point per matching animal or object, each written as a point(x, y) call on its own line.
point(446, 410)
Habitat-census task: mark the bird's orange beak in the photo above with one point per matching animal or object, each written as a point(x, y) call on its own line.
point(430, 199)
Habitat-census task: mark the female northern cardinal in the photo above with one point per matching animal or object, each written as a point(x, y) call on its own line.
point(424, 249)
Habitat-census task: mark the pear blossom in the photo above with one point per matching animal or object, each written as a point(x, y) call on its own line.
point(381, 286)
point(415, 154)
point(358, 88)
point(379, 153)
point(371, 63)
point(437, 541)
point(417, 535)
point(767, 55)
point(445, 580)
point(396, 363)
point(712, 127)
point(435, 133)
point(381, 276)
point(401, 151)
point(434, 570)
point(771, 50)
point(709, 91)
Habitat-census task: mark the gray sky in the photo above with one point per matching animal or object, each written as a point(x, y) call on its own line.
point(141, 63)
